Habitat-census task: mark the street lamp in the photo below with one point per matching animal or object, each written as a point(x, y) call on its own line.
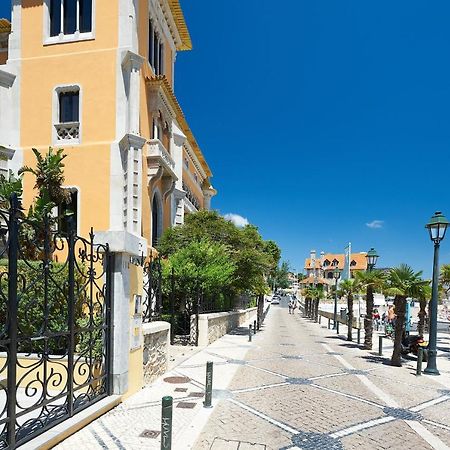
point(437, 227)
point(371, 258)
point(336, 276)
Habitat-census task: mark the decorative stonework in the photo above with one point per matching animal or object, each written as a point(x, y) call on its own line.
point(69, 131)
point(156, 355)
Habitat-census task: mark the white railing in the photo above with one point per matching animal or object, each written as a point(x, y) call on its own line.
point(69, 131)
point(156, 148)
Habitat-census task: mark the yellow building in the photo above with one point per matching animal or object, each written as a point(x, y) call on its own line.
point(96, 77)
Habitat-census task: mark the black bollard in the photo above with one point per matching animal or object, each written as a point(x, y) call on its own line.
point(337, 326)
point(419, 361)
point(380, 345)
point(329, 323)
point(208, 385)
point(320, 318)
point(254, 326)
point(249, 333)
point(166, 423)
point(359, 335)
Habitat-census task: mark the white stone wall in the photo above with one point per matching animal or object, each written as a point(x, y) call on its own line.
point(156, 350)
point(213, 326)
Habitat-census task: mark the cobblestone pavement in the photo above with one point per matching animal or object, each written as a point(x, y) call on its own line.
point(296, 385)
point(305, 387)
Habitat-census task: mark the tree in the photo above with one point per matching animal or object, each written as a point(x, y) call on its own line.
point(444, 279)
point(202, 268)
point(348, 288)
point(252, 257)
point(369, 282)
point(49, 175)
point(402, 282)
point(424, 297)
point(280, 278)
point(313, 295)
point(9, 186)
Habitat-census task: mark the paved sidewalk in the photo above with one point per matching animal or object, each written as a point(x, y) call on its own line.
point(297, 385)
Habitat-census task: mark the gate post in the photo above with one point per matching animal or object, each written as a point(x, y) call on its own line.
point(125, 297)
point(13, 230)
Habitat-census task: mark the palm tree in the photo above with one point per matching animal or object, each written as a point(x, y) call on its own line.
point(49, 175)
point(369, 281)
point(444, 279)
point(402, 282)
point(424, 297)
point(348, 288)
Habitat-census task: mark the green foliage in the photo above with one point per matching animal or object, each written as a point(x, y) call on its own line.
point(49, 175)
point(203, 266)
point(9, 186)
point(280, 276)
point(403, 282)
point(32, 303)
point(252, 257)
point(444, 279)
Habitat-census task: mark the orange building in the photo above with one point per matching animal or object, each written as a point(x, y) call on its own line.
point(97, 79)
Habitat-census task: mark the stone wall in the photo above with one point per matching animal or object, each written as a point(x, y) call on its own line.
point(156, 349)
point(213, 326)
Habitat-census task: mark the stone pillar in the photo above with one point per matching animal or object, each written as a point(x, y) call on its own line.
point(127, 355)
point(131, 153)
point(131, 64)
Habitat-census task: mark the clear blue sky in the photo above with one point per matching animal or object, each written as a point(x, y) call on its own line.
point(318, 118)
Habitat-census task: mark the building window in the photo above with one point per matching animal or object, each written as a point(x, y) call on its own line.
point(68, 211)
point(70, 16)
point(155, 50)
point(156, 220)
point(67, 123)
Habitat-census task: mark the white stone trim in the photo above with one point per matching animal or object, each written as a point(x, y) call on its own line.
point(195, 160)
point(65, 38)
point(159, 12)
point(56, 114)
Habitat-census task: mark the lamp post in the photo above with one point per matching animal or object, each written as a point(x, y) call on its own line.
point(336, 276)
point(437, 227)
point(371, 257)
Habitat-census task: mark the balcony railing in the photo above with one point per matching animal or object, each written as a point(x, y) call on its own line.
point(69, 131)
point(156, 149)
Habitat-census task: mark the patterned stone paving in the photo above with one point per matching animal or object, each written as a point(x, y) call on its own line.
point(329, 395)
point(297, 385)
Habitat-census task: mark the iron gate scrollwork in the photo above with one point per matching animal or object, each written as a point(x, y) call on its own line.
point(152, 302)
point(55, 320)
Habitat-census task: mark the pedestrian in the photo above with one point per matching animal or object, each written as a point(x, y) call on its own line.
point(290, 306)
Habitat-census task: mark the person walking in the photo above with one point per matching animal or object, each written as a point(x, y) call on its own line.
point(290, 306)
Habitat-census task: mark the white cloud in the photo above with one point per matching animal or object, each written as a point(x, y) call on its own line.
point(375, 224)
point(238, 220)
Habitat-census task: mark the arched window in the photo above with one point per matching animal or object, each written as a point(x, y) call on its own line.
point(156, 219)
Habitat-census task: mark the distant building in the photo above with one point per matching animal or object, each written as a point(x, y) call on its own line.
point(319, 270)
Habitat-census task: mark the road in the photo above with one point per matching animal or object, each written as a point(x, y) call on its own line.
point(301, 386)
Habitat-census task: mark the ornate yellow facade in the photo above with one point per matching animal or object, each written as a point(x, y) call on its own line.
point(98, 81)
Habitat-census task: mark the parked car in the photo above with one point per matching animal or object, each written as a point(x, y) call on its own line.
point(275, 300)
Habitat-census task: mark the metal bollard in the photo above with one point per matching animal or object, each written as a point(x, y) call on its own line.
point(329, 323)
point(166, 423)
point(208, 385)
point(359, 335)
point(254, 326)
point(249, 333)
point(337, 326)
point(419, 361)
point(380, 345)
point(320, 318)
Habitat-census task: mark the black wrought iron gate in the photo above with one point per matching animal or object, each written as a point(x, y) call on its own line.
point(55, 320)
